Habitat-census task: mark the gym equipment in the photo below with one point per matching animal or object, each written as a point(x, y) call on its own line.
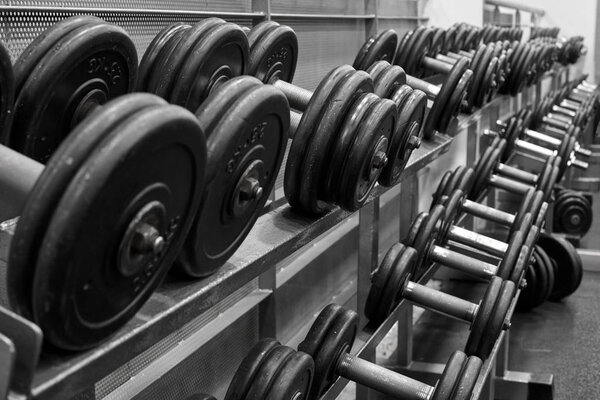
point(330, 340)
point(572, 212)
point(391, 283)
point(447, 98)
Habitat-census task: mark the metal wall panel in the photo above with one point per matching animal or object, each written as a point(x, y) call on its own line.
point(397, 7)
point(355, 7)
point(171, 5)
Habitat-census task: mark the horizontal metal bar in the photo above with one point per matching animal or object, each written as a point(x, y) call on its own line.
point(402, 17)
point(516, 6)
point(98, 10)
point(321, 16)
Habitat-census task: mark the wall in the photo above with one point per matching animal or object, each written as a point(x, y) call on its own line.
point(445, 13)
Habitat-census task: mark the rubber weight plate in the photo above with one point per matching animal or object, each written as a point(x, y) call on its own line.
point(273, 53)
point(452, 371)
point(124, 215)
point(49, 188)
point(246, 125)
point(381, 48)
point(84, 68)
point(570, 270)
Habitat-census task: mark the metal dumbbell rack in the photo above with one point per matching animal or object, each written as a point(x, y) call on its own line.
point(188, 324)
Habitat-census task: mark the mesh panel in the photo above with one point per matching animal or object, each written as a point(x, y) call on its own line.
point(318, 7)
point(137, 364)
point(19, 28)
point(188, 5)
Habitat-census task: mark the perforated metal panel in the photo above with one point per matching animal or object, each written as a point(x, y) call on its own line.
point(19, 28)
point(318, 6)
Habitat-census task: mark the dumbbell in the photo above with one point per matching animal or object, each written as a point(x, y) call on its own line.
point(412, 55)
point(462, 179)
point(272, 371)
point(341, 140)
point(573, 212)
point(107, 199)
point(566, 150)
point(390, 83)
point(429, 233)
point(61, 77)
point(488, 170)
point(330, 340)
point(185, 64)
point(391, 283)
point(446, 98)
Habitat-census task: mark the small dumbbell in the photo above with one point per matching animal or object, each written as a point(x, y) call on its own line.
point(391, 283)
point(330, 340)
point(461, 179)
point(429, 232)
point(272, 371)
point(341, 140)
point(446, 98)
point(489, 167)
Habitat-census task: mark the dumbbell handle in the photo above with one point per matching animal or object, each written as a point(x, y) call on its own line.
point(440, 302)
point(508, 184)
point(297, 96)
point(559, 118)
point(18, 176)
point(561, 110)
point(436, 65)
point(555, 123)
point(430, 89)
point(381, 379)
point(570, 105)
point(463, 263)
point(446, 59)
point(295, 118)
point(488, 213)
point(517, 174)
point(552, 141)
point(477, 241)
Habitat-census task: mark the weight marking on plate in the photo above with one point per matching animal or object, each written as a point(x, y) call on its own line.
point(256, 134)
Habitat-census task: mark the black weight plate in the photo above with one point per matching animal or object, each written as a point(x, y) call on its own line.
point(442, 189)
point(267, 373)
point(149, 59)
point(128, 171)
point(294, 379)
point(466, 181)
point(497, 320)
point(488, 83)
point(482, 173)
point(410, 120)
point(173, 56)
point(379, 278)
point(274, 54)
point(403, 49)
point(542, 280)
point(484, 314)
point(456, 99)
point(529, 294)
point(570, 271)
point(348, 134)
point(403, 266)
point(336, 339)
point(44, 42)
point(200, 396)
point(218, 54)
point(441, 103)
point(524, 208)
point(511, 257)
point(573, 213)
point(468, 379)
point(521, 265)
point(360, 172)
point(476, 65)
point(244, 376)
point(429, 235)
point(246, 125)
point(452, 370)
point(383, 48)
point(49, 188)
point(294, 168)
point(546, 263)
point(539, 208)
point(387, 82)
point(414, 228)
point(419, 47)
point(362, 52)
point(7, 92)
point(90, 65)
point(455, 179)
point(319, 149)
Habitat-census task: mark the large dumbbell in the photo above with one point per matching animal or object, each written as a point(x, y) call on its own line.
point(428, 235)
point(391, 283)
point(246, 130)
point(447, 98)
point(489, 167)
point(330, 340)
point(107, 199)
point(461, 179)
point(412, 55)
point(272, 371)
point(342, 139)
point(56, 88)
point(573, 213)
